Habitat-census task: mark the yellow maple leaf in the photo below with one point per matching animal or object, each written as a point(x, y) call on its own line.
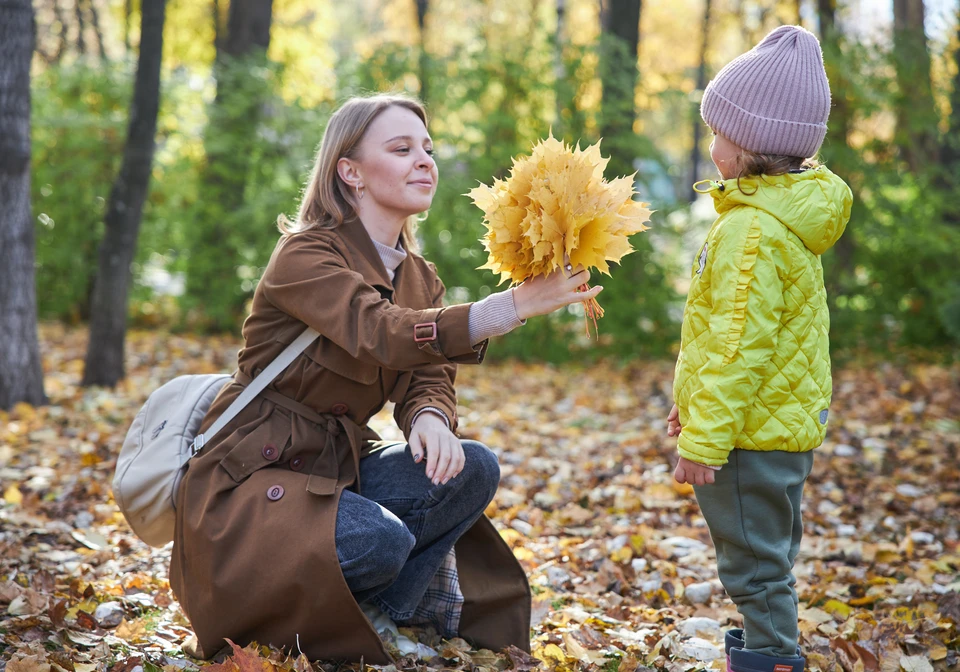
point(556, 202)
point(556, 205)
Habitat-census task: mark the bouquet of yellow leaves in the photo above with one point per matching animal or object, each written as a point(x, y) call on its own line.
point(556, 205)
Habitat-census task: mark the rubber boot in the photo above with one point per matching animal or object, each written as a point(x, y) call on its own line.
point(732, 639)
point(748, 661)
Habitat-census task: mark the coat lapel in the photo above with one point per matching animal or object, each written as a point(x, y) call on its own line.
point(365, 258)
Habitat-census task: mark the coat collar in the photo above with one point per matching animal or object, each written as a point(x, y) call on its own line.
point(368, 261)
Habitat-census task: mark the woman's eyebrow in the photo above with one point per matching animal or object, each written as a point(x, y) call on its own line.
point(405, 138)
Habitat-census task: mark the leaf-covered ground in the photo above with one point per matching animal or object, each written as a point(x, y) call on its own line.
point(618, 555)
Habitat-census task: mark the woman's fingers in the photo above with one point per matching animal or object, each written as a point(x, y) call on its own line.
point(456, 465)
point(443, 461)
point(433, 453)
point(576, 297)
point(416, 447)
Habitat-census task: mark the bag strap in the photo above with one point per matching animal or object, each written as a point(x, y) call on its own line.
point(283, 360)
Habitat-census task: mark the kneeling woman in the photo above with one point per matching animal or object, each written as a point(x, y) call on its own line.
point(294, 515)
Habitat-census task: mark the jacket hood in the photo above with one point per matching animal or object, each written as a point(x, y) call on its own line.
point(814, 205)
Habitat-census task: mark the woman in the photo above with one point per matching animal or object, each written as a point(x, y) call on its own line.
point(294, 514)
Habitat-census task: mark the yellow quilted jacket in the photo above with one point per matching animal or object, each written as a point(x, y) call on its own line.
point(754, 364)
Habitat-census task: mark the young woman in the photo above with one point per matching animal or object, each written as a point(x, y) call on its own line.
point(295, 515)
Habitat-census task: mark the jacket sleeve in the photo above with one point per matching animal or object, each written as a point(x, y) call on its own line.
point(430, 386)
point(310, 279)
point(746, 297)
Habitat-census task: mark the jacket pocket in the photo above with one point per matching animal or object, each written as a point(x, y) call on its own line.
point(263, 447)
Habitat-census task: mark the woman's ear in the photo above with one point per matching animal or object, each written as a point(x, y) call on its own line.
point(349, 173)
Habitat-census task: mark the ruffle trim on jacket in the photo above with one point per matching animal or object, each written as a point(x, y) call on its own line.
point(751, 249)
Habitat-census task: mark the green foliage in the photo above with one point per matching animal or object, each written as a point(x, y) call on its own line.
point(229, 162)
point(79, 130)
point(256, 148)
point(892, 280)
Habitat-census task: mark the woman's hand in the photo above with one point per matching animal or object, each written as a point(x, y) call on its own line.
point(673, 422)
point(693, 473)
point(542, 295)
point(445, 458)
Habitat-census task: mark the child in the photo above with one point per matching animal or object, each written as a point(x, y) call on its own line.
point(753, 383)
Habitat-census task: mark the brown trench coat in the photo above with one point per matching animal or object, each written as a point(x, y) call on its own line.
point(254, 555)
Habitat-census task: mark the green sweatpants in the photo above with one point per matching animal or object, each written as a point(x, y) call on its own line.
point(753, 512)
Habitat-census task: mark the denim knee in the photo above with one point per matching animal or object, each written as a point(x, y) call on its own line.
point(481, 470)
point(378, 552)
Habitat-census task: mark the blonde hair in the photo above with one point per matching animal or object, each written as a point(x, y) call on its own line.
point(327, 200)
point(755, 164)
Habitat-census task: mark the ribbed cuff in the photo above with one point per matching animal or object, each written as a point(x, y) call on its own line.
point(495, 315)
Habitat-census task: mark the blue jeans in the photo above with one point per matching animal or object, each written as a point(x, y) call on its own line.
point(392, 540)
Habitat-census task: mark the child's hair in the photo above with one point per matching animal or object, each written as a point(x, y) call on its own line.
point(755, 164)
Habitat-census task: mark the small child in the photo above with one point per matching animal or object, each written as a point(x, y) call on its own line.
point(753, 384)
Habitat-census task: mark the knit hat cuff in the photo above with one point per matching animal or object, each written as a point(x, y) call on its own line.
point(760, 134)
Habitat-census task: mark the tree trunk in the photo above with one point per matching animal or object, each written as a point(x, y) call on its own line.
point(95, 20)
point(701, 85)
point(213, 289)
point(21, 374)
point(248, 28)
point(127, 11)
point(423, 6)
point(620, 41)
point(559, 69)
point(108, 320)
point(916, 110)
point(217, 28)
point(81, 42)
point(62, 34)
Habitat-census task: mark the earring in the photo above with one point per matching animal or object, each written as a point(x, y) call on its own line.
point(359, 192)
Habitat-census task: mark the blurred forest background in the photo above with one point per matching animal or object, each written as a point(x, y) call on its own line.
point(243, 89)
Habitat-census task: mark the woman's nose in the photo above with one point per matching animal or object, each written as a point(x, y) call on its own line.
point(425, 160)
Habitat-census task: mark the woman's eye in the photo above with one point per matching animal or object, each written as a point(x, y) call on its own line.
point(429, 151)
point(402, 149)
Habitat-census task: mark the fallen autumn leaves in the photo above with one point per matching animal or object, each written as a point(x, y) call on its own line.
point(619, 560)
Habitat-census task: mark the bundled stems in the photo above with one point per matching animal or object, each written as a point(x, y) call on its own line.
point(591, 311)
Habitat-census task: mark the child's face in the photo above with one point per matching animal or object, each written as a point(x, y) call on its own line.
point(724, 154)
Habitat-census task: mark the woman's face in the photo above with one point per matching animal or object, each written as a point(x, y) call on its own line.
point(724, 154)
point(394, 163)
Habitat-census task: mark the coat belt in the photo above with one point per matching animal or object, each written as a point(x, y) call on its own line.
point(320, 481)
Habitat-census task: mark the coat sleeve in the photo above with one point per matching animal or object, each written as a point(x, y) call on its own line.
point(430, 386)
point(746, 296)
point(310, 279)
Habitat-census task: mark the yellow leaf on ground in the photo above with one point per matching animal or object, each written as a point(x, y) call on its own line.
point(131, 630)
point(13, 495)
point(838, 608)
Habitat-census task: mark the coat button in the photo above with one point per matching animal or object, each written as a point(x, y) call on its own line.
point(269, 452)
point(340, 409)
point(274, 492)
point(297, 463)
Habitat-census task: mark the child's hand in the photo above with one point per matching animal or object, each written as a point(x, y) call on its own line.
point(673, 422)
point(692, 473)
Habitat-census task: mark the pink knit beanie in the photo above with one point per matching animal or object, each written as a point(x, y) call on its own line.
point(774, 99)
